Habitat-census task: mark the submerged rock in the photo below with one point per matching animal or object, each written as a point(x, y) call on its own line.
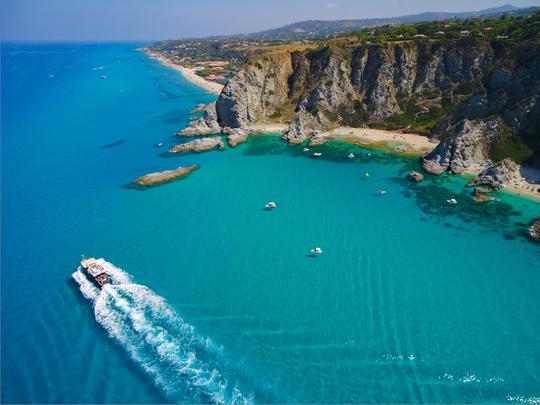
point(534, 229)
point(496, 176)
point(415, 176)
point(199, 145)
point(318, 139)
point(205, 125)
point(480, 194)
point(153, 179)
point(236, 136)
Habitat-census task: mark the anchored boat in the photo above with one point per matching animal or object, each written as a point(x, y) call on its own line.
point(95, 271)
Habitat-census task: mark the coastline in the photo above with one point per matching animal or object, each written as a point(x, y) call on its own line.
point(412, 145)
point(519, 186)
point(406, 144)
point(409, 144)
point(188, 73)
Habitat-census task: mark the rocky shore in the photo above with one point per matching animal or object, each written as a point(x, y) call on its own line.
point(199, 145)
point(156, 178)
point(279, 93)
point(205, 125)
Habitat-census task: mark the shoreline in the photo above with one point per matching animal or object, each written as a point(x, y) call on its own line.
point(518, 186)
point(401, 143)
point(188, 73)
point(405, 144)
point(414, 145)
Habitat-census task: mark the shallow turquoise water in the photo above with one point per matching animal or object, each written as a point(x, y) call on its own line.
point(413, 300)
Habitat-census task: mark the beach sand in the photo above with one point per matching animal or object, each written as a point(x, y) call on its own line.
point(400, 142)
point(188, 73)
point(367, 137)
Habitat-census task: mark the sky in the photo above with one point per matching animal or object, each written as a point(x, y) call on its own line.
point(124, 20)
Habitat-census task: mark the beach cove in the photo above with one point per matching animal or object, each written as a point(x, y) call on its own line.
point(414, 300)
point(525, 182)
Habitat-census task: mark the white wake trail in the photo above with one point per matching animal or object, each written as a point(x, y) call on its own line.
point(166, 347)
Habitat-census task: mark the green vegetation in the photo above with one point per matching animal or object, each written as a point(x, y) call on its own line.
point(511, 146)
point(354, 116)
point(417, 118)
point(332, 116)
point(465, 88)
point(277, 113)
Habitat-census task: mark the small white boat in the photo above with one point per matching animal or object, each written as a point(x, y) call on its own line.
point(305, 150)
point(317, 154)
point(51, 76)
point(103, 77)
point(452, 201)
point(351, 155)
point(271, 205)
point(316, 250)
point(369, 154)
point(159, 145)
point(381, 192)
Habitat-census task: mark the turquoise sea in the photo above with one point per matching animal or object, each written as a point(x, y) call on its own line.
point(413, 301)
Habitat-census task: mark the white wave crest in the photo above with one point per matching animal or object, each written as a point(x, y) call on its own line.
point(523, 399)
point(166, 347)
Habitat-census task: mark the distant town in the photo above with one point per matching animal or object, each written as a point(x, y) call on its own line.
point(217, 59)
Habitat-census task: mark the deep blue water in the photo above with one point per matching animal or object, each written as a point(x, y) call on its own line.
point(413, 300)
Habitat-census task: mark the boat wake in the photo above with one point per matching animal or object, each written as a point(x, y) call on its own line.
point(182, 363)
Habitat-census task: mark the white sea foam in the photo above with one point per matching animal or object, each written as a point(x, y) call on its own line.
point(469, 378)
point(166, 347)
point(523, 399)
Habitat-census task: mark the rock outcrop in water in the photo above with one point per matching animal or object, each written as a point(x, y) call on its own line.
point(205, 125)
point(415, 176)
point(480, 194)
point(534, 229)
point(235, 136)
point(495, 177)
point(154, 179)
point(199, 145)
point(481, 98)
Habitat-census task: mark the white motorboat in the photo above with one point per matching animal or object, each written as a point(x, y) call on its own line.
point(271, 205)
point(305, 150)
point(317, 154)
point(351, 155)
point(316, 250)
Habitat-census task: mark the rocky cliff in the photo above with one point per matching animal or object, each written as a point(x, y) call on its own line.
point(480, 97)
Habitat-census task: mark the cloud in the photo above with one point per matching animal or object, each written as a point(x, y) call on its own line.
point(331, 5)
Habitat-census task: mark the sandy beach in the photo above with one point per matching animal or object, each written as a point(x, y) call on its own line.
point(188, 73)
point(400, 142)
point(526, 184)
point(367, 137)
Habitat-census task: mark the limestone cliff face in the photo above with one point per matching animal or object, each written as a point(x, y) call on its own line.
point(503, 111)
point(254, 93)
point(470, 95)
